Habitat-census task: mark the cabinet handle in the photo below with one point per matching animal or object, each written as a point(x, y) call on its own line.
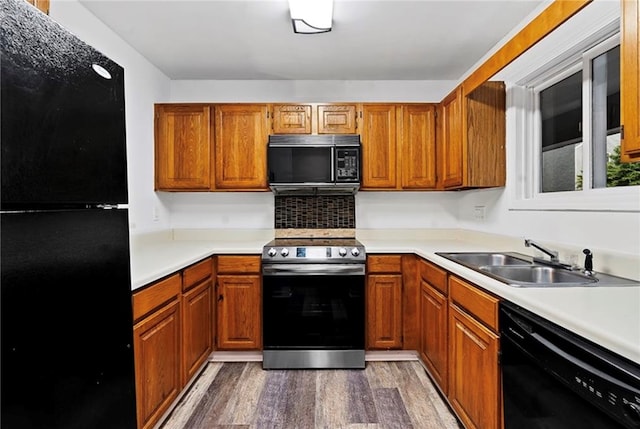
point(220, 298)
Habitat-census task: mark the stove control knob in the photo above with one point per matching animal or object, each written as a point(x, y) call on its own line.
point(355, 251)
point(272, 252)
point(284, 252)
point(342, 251)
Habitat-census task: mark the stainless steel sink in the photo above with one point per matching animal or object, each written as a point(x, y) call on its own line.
point(537, 274)
point(516, 269)
point(476, 259)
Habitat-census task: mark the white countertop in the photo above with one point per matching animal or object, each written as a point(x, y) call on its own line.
point(609, 316)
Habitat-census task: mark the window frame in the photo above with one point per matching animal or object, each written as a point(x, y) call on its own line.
point(523, 98)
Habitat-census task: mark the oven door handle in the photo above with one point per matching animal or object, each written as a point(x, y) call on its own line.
point(313, 269)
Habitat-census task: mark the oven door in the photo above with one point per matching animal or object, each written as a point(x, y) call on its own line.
point(313, 316)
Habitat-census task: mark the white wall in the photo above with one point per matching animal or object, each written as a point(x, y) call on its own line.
point(144, 85)
point(310, 91)
point(400, 210)
point(227, 210)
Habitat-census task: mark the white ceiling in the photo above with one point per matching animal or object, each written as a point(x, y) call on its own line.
point(370, 40)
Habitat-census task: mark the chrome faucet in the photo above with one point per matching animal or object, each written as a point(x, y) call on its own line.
point(552, 253)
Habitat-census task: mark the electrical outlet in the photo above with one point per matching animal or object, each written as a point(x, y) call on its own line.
point(156, 217)
point(479, 212)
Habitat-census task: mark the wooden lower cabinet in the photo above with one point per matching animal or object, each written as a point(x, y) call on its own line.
point(239, 312)
point(197, 327)
point(157, 348)
point(474, 389)
point(239, 303)
point(384, 296)
point(197, 316)
point(474, 373)
point(173, 337)
point(384, 311)
point(434, 338)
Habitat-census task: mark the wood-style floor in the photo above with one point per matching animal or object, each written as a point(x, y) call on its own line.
point(241, 395)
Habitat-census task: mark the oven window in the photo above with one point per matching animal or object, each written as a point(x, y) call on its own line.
point(313, 312)
point(299, 164)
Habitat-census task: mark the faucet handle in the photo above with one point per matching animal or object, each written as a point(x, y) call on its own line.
point(588, 261)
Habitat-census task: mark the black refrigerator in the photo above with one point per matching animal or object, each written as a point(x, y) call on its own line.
point(66, 313)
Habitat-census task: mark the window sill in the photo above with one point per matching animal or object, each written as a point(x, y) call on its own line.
point(624, 199)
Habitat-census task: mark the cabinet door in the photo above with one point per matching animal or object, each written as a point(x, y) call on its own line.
point(630, 80)
point(43, 5)
point(418, 147)
point(378, 136)
point(182, 147)
point(157, 363)
point(451, 142)
point(238, 311)
point(337, 119)
point(241, 146)
point(292, 119)
point(197, 327)
point(384, 311)
point(484, 138)
point(474, 390)
point(434, 330)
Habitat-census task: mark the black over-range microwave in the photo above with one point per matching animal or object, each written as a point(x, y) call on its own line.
point(314, 164)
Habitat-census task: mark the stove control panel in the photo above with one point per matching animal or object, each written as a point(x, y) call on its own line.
point(317, 254)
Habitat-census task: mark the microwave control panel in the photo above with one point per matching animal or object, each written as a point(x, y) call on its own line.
point(347, 165)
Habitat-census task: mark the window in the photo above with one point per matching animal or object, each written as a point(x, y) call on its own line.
point(561, 112)
point(573, 129)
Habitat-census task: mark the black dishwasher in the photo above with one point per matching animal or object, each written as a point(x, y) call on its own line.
point(554, 379)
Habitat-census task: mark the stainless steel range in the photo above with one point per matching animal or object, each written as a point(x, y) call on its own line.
point(313, 303)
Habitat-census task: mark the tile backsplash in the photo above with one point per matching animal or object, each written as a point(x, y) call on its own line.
point(315, 212)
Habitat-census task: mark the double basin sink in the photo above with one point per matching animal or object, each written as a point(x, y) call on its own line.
point(521, 270)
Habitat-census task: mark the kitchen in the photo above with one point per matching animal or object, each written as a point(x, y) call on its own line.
point(387, 222)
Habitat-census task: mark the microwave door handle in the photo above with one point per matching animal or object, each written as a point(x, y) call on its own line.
point(333, 164)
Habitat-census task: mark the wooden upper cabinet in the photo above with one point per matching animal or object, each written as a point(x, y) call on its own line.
point(241, 146)
point(630, 81)
point(378, 137)
point(398, 146)
point(182, 147)
point(291, 118)
point(337, 119)
point(471, 145)
point(43, 5)
point(450, 140)
point(418, 147)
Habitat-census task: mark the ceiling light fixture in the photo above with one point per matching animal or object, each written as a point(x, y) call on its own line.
point(311, 16)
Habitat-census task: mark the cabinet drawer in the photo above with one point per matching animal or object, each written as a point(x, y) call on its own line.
point(196, 273)
point(477, 302)
point(433, 275)
point(384, 263)
point(155, 295)
point(238, 264)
